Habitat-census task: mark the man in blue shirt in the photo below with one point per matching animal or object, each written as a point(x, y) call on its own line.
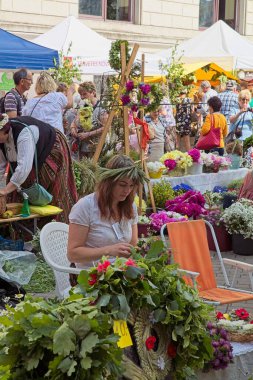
point(229, 99)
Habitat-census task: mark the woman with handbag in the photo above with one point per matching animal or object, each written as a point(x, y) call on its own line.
point(25, 140)
point(241, 118)
point(214, 130)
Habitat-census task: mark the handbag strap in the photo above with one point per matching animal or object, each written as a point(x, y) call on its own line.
point(35, 150)
point(37, 104)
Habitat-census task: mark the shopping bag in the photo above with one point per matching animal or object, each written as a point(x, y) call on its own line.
point(211, 139)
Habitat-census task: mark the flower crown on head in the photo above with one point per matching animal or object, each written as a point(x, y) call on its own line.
point(5, 119)
point(133, 172)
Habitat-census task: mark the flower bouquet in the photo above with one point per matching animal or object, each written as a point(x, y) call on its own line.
point(158, 219)
point(238, 323)
point(191, 204)
point(155, 169)
point(225, 162)
point(211, 162)
point(197, 163)
point(176, 162)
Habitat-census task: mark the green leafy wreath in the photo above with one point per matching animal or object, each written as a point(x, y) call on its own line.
point(114, 54)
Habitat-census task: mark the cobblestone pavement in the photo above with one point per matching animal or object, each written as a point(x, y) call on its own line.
point(242, 280)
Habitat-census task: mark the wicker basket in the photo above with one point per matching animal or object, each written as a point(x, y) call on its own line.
point(2, 204)
point(237, 337)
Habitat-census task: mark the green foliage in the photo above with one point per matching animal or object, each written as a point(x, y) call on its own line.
point(114, 54)
point(85, 172)
point(149, 282)
point(235, 184)
point(65, 71)
point(68, 340)
point(42, 280)
point(247, 143)
point(162, 192)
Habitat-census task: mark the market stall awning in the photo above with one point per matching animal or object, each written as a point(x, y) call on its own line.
point(17, 52)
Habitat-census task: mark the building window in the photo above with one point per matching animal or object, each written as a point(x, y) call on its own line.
point(211, 11)
point(118, 10)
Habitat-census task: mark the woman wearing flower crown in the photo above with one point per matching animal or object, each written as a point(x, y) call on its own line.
point(104, 223)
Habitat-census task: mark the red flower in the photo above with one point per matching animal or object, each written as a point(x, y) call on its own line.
point(242, 314)
point(131, 263)
point(93, 279)
point(220, 315)
point(172, 350)
point(150, 342)
point(251, 322)
point(102, 267)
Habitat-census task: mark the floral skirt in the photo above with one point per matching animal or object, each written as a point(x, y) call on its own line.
point(57, 177)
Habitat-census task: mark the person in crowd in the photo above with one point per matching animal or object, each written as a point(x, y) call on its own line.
point(62, 87)
point(48, 105)
point(159, 125)
point(167, 113)
point(17, 146)
point(104, 223)
point(246, 190)
point(241, 117)
point(229, 99)
point(183, 119)
point(14, 100)
point(89, 139)
point(207, 93)
point(217, 120)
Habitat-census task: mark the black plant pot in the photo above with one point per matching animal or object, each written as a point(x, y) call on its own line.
point(228, 200)
point(242, 246)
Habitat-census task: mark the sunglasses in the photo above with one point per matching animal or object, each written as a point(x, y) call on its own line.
point(245, 99)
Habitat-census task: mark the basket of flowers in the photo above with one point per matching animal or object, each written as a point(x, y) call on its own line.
point(238, 323)
point(211, 162)
point(155, 169)
point(176, 163)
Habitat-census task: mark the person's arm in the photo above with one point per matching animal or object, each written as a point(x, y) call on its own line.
point(70, 93)
point(11, 105)
point(225, 129)
point(78, 253)
point(87, 135)
point(206, 126)
point(134, 239)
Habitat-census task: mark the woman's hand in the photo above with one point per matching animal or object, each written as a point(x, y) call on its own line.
point(120, 249)
point(83, 135)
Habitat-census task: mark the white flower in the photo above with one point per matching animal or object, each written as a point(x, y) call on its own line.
point(143, 219)
point(161, 363)
point(155, 166)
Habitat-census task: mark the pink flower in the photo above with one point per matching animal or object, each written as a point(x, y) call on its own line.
point(170, 164)
point(102, 267)
point(125, 99)
point(195, 154)
point(93, 279)
point(129, 85)
point(134, 108)
point(131, 263)
point(145, 101)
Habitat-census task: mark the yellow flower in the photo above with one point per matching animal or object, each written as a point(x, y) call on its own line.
point(227, 316)
point(143, 203)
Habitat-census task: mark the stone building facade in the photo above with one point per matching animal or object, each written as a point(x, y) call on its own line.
point(154, 24)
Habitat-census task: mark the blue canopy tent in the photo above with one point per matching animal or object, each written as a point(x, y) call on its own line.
point(16, 52)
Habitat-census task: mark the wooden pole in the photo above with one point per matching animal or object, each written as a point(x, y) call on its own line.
point(140, 137)
point(125, 109)
point(114, 105)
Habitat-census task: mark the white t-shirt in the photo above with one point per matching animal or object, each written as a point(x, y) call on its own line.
point(48, 108)
point(101, 232)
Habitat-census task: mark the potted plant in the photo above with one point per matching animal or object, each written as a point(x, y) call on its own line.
point(162, 191)
point(234, 152)
point(211, 162)
point(155, 169)
point(224, 239)
point(238, 219)
point(143, 226)
point(197, 163)
point(176, 163)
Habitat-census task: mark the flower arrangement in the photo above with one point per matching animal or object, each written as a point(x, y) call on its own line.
point(222, 349)
point(195, 154)
point(146, 286)
point(162, 191)
point(214, 217)
point(85, 117)
point(158, 219)
point(191, 204)
point(238, 321)
point(176, 160)
point(238, 218)
point(155, 169)
point(211, 162)
point(141, 95)
point(225, 162)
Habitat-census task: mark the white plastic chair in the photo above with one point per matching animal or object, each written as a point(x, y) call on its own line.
point(54, 242)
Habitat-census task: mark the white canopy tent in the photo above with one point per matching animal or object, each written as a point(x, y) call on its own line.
point(219, 44)
point(88, 49)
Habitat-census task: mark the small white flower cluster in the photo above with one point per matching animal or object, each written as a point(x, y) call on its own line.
point(155, 166)
point(236, 326)
point(143, 219)
point(173, 214)
point(238, 218)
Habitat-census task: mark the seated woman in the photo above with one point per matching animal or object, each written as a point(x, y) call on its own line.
point(49, 104)
point(17, 146)
point(218, 120)
point(105, 222)
point(241, 118)
point(246, 190)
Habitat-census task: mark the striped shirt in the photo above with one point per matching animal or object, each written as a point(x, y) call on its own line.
point(11, 102)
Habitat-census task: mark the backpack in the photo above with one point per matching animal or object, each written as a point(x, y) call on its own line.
point(19, 105)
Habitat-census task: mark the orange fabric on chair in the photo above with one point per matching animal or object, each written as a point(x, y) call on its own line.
point(190, 250)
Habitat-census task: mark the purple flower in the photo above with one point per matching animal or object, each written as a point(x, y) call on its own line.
point(129, 85)
point(125, 99)
point(160, 218)
point(170, 164)
point(191, 204)
point(145, 88)
point(134, 108)
point(145, 101)
point(195, 154)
